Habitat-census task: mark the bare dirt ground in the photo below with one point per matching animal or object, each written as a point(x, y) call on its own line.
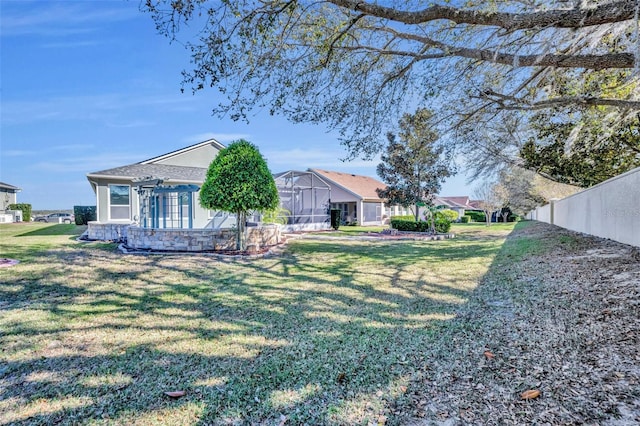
point(564, 320)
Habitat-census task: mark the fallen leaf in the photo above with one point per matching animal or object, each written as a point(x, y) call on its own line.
point(382, 420)
point(489, 355)
point(175, 394)
point(530, 394)
point(341, 378)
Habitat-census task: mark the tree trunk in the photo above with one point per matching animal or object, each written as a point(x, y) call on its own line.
point(238, 231)
point(417, 212)
point(487, 215)
point(243, 230)
point(241, 220)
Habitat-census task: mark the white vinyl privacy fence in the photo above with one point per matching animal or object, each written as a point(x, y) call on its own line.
point(610, 209)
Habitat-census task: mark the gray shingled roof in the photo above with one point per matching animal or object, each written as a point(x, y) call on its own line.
point(10, 187)
point(167, 172)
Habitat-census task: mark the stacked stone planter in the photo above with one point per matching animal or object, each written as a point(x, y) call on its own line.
point(195, 240)
point(107, 231)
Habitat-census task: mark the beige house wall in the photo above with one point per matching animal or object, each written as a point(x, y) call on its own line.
point(200, 157)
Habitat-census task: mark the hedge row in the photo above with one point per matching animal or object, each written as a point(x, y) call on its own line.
point(476, 216)
point(403, 223)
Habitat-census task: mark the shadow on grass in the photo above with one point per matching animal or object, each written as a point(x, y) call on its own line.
point(57, 229)
point(329, 333)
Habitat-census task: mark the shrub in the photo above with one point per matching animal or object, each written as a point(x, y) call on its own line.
point(442, 225)
point(336, 214)
point(84, 214)
point(476, 216)
point(25, 208)
point(409, 218)
point(402, 224)
point(449, 214)
point(423, 226)
point(465, 219)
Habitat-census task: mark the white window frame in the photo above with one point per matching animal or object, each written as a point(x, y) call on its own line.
point(119, 205)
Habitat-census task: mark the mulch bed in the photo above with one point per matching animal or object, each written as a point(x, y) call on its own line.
point(565, 322)
point(235, 254)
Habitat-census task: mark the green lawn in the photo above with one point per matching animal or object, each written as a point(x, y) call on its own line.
point(330, 332)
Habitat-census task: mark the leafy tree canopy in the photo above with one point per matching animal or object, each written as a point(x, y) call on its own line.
point(413, 165)
point(357, 64)
point(525, 190)
point(582, 153)
point(566, 144)
point(239, 181)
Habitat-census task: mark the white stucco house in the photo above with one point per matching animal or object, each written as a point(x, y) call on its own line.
point(8, 195)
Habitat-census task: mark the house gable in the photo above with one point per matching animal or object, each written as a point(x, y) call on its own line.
point(187, 165)
point(362, 187)
point(198, 155)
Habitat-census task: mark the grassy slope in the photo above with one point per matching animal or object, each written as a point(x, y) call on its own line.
point(331, 332)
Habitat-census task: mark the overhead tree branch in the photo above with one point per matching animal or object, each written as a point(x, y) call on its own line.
point(594, 62)
point(581, 17)
point(516, 103)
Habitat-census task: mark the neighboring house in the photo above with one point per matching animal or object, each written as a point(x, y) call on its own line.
point(124, 194)
point(356, 196)
point(8, 196)
point(457, 204)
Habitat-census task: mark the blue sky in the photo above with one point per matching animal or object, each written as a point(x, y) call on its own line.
point(90, 85)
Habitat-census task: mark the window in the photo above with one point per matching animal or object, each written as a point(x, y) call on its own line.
point(119, 205)
point(370, 212)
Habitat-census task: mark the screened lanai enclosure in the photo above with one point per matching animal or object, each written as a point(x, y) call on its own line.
point(305, 200)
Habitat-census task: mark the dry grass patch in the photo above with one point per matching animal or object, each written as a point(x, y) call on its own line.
point(331, 332)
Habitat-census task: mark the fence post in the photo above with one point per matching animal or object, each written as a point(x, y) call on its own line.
point(552, 207)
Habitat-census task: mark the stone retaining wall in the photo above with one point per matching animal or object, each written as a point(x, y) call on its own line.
point(194, 240)
point(107, 231)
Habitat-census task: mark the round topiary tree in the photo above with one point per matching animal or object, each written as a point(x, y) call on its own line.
point(239, 181)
